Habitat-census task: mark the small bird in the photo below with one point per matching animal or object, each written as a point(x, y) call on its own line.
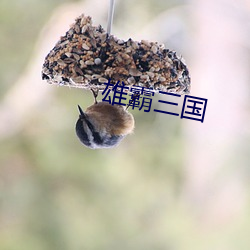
point(103, 125)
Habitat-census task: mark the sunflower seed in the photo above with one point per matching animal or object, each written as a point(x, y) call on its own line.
point(131, 80)
point(145, 42)
point(144, 78)
point(77, 79)
point(102, 80)
point(150, 74)
point(134, 72)
point(77, 29)
point(120, 42)
point(84, 29)
point(88, 62)
point(95, 76)
point(89, 77)
point(135, 45)
point(119, 58)
point(85, 46)
point(68, 54)
point(61, 62)
point(69, 60)
point(78, 70)
point(154, 49)
point(64, 43)
point(77, 57)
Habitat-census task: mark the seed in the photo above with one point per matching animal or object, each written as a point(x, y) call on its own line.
point(86, 71)
point(145, 42)
point(154, 49)
point(90, 52)
point(103, 37)
point(119, 58)
point(150, 74)
point(98, 61)
point(145, 77)
point(68, 54)
point(77, 57)
point(71, 32)
point(162, 46)
point(77, 79)
point(126, 56)
point(95, 76)
point(134, 72)
point(78, 51)
point(91, 33)
point(134, 45)
point(131, 80)
point(61, 62)
point(77, 29)
point(89, 77)
point(84, 29)
point(88, 62)
point(93, 43)
point(64, 43)
point(120, 42)
point(102, 80)
point(85, 46)
point(128, 50)
point(78, 70)
point(69, 60)
point(87, 56)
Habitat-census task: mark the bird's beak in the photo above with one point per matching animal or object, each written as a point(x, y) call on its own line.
point(82, 115)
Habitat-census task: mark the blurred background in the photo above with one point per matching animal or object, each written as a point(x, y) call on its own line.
point(175, 184)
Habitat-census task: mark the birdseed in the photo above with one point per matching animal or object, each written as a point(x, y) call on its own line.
point(87, 57)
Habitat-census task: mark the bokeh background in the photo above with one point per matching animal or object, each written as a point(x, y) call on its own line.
point(175, 184)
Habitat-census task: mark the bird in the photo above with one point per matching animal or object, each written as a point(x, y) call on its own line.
point(103, 125)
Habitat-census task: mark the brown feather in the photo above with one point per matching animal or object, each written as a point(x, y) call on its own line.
point(112, 118)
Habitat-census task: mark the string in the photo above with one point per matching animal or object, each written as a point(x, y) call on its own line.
point(110, 16)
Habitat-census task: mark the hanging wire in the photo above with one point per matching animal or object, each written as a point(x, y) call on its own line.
point(110, 15)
